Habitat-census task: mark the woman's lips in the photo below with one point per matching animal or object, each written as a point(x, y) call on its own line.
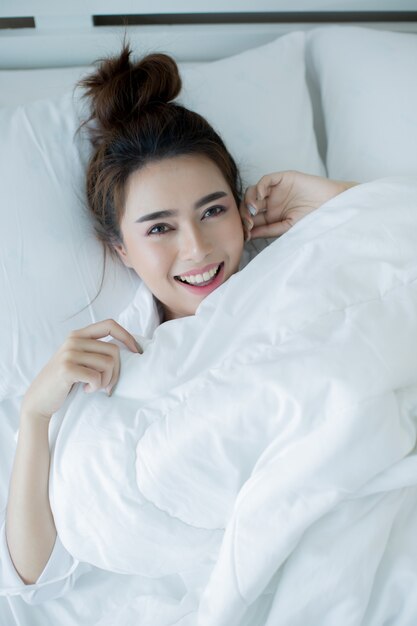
point(201, 270)
point(207, 287)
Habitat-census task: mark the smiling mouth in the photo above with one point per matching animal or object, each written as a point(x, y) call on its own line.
point(200, 280)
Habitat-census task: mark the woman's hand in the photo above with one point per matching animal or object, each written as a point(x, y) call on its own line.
point(82, 358)
point(279, 200)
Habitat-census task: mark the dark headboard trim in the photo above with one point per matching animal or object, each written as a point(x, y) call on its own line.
point(282, 17)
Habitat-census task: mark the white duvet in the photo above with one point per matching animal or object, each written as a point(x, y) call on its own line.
point(263, 450)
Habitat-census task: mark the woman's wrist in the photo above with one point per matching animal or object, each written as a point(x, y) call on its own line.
point(33, 419)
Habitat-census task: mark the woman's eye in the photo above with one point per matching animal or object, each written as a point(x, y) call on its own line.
point(159, 229)
point(214, 210)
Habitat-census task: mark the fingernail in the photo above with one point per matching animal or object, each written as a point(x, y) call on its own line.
point(251, 209)
point(109, 390)
point(138, 347)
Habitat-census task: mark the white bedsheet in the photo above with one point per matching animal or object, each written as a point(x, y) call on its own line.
point(256, 465)
point(263, 449)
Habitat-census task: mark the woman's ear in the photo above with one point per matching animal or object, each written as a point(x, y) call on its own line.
point(121, 251)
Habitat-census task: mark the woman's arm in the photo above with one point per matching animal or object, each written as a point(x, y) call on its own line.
point(30, 527)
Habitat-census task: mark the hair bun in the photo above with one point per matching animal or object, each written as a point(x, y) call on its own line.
point(120, 88)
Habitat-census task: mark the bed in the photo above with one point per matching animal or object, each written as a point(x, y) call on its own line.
point(284, 490)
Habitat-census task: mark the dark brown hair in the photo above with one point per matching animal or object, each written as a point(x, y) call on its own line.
point(134, 121)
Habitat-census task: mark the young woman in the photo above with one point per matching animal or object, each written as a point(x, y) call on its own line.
point(165, 195)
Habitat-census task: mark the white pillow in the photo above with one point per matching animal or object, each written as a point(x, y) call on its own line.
point(24, 86)
point(260, 103)
point(368, 87)
point(49, 258)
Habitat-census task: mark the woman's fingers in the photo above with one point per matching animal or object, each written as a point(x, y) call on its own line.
point(256, 196)
point(107, 366)
point(271, 230)
point(250, 209)
point(82, 358)
point(263, 187)
point(265, 205)
point(250, 200)
point(106, 328)
point(85, 348)
point(91, 377)
point(253, 202)
point(90, 345)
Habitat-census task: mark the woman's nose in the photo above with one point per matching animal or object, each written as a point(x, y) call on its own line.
point(194, 245)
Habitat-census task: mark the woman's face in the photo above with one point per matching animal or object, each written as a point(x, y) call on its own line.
point(182, 232)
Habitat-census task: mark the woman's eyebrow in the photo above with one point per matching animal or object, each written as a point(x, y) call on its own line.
point(209, 198)
point(156, 215)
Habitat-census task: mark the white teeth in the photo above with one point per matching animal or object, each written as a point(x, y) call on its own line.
point(199, 278)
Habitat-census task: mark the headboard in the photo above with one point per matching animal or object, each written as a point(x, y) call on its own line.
point(46, 33)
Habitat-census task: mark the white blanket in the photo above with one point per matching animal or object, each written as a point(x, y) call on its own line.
point(263, 449)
